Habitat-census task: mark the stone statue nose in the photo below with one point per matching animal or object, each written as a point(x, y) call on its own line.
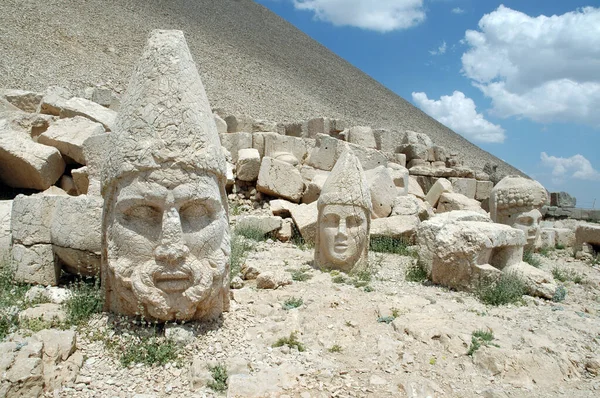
point(172, 248)
point(342, 227)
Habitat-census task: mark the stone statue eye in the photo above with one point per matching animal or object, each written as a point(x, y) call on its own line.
point(331, 220)
point(353, 222)
point(195, 216)
point(143, 213)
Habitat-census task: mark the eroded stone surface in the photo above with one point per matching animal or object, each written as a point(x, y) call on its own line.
point(165, 229)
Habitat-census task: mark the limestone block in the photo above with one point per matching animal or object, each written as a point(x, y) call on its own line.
point(305, 217)
point(281, 207)
point(95, 149)
point(587, 233)
point(399, 227)
point(363, 136)
point(233, 142)
point(400, 178)
point(440, 154)
point(67, 184)
point(411, 137)
point(438, 165)
point(258, 143)
point(77, 223)
point(221, 124)
point(248, 164)
point(417, 162)
point(81, 180)
point(102, 96)
point(54, 100)
point(369, 158)
point(314, 187)
point(297, 129)
point(321, 125)
point(272, 280)
point(25, 163)
point(280, 179)
point(464, 186)
point(89, 109)
point(483, 190)
point(450, 201)
point(263, 224)
point(411, 205)
point(388, 140)
point(5, 228)
point(325, 153)
point(286, 232)
point(382, 189)
point(414, 188)
point(239, 123)
point(35, 264)
point(31, 218)
point(68, 136)
point(26, 101)
point(441, 186)
point(416, 151)
point(260, 125)
point(538, 283)
point(279, 146)
point(547, 238)
point(562, 199)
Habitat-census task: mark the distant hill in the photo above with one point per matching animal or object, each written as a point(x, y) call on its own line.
point(251, 61)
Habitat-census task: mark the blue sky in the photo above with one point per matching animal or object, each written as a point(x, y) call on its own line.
point(521, 79)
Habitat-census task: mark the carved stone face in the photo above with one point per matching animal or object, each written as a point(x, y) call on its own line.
point(527, 221)
point(343, 235)
point(166, 237)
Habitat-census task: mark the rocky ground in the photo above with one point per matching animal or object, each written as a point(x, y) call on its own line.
point(369, 336)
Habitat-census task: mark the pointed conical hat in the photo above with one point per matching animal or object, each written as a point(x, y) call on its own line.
point(165, 119)
point(346, 184)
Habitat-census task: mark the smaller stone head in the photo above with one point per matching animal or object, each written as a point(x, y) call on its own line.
point(344, 217)
point(516, 201)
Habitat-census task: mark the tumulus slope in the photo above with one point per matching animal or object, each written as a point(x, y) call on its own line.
point(251, 61)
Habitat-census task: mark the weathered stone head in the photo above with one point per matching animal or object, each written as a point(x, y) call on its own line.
point(344, 221)
point(165, 234)
point(516, 201)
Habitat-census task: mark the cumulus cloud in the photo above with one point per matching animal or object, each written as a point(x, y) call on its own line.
point(440, 50)
point(381, 15)
point(459, 113)
point(576, 166)
point(542, 68)
point(458, 10)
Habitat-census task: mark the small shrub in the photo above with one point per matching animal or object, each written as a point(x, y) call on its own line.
point(559, 246)
point(559, 294)
point(339, 279)
point(386, 244)
point(335, 348)
point(415, 272)
point(240, 247)
point(507, 289)
point(149, 351)
point(368, 289)
point(291, 342)
point(12, 297)
point(479, 338)
point(299, 241)
point(432, 361)
point(564, 275)
point(361, 278)
point(250, 233)
point(219, 375)
point(291, 303)
point(386, 319)
point(300, 275)
point(87, 300)
point(545, 251)
point(530, 258)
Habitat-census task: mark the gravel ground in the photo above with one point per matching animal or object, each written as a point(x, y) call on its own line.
point(251, 61)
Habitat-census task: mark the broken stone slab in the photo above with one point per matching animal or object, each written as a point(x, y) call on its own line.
point(286, 232)
point(538, 283)
point(281, 207)
point(94, 151)
point(25, 163)
point(67, 184)
point(27, 101)
point(382, 189)
point(547, 238)
point(239, 123)
point(414, 188)
point(314, 187)
point(89, 109)
point(102, 96)
point(412, 137)
point(273, 280)
point(280, 179)
point(464, 186)
point(397, 227)
point(56, 295)
point(35, 264)
point(389, 140)
point(233, 142)
point(409, 205)
point(400, 178)
point(587, 233)
point(262, 224)
point(81, 180)
point(68, 136)
point(305, 217)
point(31, 218)
point(417, 151)
point(327, 151)
point(5, 228)
point(276, 145)
point(483, 190)
point(248, 164)
point(441, 186)
point(320, 125)
point(221, 124)
point(363, 136)
point(22, 369)
point(562, 199)
point(54, 100)
point(564, 236)
point(450, 201)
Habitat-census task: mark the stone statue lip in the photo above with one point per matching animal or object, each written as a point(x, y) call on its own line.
point(340, 246)
point(172, 281)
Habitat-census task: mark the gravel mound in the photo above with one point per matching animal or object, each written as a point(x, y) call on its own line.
point(251, 61)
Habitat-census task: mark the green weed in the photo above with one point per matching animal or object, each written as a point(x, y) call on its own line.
point(291, 303)
point(219, 375)
point(564, 275)
point(560, 294)
point(291, 342)
point(415, 272)
point(335, 348)
point(240, 248)
point(481, 338)
point(530, 258)
point(300, 275)
point(87, 299)
point(149, 351)
point(386, 244)
point(507, 289)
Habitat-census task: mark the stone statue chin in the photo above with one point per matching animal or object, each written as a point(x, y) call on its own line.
point(167, 245)
point(344, 218)
point(343, 231)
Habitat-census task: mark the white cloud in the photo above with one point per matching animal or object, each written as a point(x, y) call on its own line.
point(458, 10)
point(440, 50)
point(459, 113)
point(542, 68)
point(576, 166)
point(381, 15)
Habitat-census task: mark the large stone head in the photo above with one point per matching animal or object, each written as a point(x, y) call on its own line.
point(516, 201)
point(165, 235)
point(344, 220)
